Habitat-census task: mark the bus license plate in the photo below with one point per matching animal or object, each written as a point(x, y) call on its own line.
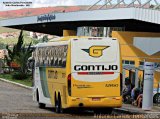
point(96, 99)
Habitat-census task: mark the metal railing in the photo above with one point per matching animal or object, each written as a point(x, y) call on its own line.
point(109, 4)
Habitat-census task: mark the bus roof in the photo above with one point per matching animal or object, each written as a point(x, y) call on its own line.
point(64, 40)
point(58, 40)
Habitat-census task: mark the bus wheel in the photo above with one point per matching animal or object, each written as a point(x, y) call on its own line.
point(156, 98)
point(41, 105)
point(58, 105)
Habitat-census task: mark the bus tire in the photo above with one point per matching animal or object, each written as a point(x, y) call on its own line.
point(156, 98)
point(41, 105)
point(58, 105)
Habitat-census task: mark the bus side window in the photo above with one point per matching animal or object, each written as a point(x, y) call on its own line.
point(38, 58)
point(60, 56)
point(60, 63)
point(41, 59)
point(48, 56)
point(64, 56)
point(56, 62)
point(49, 59)
point(43, 56)
point(56, 57)
point(53, 55)
point(64, 64)
point(52, 62)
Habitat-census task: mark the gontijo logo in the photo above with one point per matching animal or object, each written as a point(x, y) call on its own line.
point(95, 51)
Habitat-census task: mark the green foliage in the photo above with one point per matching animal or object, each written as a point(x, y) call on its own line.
point(20, 55)
point(16, 49)
point(45, 38)
point(4, 30)
point(35, 41)
point(2, 46)
point(12, 41)
point(19, 76)
point(12, 77)
point(10, 56)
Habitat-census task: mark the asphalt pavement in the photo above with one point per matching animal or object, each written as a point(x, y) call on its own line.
point(16, 103)
point(15, 99)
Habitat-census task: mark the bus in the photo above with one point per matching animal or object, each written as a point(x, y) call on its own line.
point(78, 72)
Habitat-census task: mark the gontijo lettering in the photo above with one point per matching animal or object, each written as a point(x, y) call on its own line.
point(95, 67)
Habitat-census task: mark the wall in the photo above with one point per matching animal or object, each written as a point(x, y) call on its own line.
point(130, 52)
point(69, 33)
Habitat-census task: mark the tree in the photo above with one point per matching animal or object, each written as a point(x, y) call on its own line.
point(45, 38)
point(2, 46)
point(20, 55)
point(16, 49)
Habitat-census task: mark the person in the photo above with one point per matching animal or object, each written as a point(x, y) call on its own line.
point(134, 94)
point(140, 97)
point(139, 100)
point(127, 89)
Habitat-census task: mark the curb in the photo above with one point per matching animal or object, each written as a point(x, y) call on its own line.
point(132, 111)
point(126, 111)
point(18, 84)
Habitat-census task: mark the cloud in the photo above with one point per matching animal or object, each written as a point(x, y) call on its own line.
point(36, 3)
point(46, 3)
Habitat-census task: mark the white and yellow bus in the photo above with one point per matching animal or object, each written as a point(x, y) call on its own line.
point(74, 72)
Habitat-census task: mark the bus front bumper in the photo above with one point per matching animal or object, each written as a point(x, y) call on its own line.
point(95, 102)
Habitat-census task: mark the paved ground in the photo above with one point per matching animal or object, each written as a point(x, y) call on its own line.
point(16, 102)
point(15, 99)
point(135, 109)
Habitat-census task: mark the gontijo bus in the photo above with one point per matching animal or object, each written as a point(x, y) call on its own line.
point(74, 72)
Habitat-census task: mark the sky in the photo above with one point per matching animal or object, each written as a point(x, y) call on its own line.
point(47, 3)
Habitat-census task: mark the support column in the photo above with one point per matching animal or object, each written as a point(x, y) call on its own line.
point(124, 75)
point(104, 31)
point(136, 78)
point(108, 31)
point(147, 102)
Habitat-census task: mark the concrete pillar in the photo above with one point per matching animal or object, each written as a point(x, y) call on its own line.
point(104, 31)
point(147, 102)
point(136, 78)
point(108, 31)
point(80, 31)
point(124, 75)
